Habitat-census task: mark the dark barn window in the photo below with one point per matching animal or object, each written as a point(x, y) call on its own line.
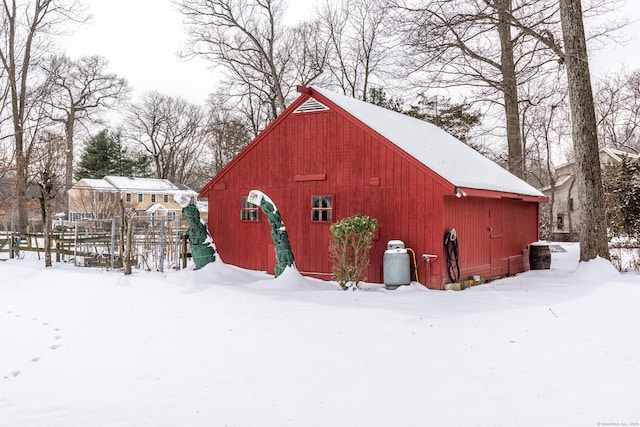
point(248, 211)
point(321, 208)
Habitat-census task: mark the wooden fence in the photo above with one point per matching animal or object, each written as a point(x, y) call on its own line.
point(157, 243)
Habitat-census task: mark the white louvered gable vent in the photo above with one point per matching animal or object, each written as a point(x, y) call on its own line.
point(311, 105)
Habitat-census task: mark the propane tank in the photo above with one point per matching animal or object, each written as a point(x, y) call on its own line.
point(396, 266)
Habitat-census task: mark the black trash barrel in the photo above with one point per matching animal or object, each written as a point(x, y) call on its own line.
point(539, 256)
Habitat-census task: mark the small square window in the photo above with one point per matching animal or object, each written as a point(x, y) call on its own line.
point(153, 198)
point(249, 211)
point(321, 208)
point(127, 197)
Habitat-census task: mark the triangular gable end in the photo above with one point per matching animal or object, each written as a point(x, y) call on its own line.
point(288, 111)
point(311, 105)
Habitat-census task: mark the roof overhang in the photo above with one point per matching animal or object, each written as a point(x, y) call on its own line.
point(474, 192)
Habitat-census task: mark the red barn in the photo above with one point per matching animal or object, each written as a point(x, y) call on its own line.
point(328, 156)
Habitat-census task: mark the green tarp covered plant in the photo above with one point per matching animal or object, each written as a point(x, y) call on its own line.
point(284, 255)
point(351, 241)
point(202, 250)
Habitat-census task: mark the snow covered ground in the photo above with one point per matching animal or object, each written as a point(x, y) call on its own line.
point(230, 347)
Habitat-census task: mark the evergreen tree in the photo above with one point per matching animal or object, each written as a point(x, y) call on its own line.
point(455, 119)
point(621, 182)
point(378, 96)
point(105, 155)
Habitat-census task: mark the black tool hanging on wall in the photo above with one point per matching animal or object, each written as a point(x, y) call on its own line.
point(451, 254)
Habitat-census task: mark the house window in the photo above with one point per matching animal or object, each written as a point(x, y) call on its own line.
point(321, 208)
point(153, 198)
point(101, 197)
point(171, 215)
point(127, 197)
point(560, 222)
point(248, 211)
point(571, 204)
point(140, 197)
point(165, 198)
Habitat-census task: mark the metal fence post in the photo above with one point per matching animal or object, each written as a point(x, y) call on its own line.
point(75, 244)
point(113, 242)
point(161, 266)
point(178, 240)
point(11, 256)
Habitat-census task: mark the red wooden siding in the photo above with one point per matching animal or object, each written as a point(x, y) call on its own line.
point(490, 231)
point(330, 153)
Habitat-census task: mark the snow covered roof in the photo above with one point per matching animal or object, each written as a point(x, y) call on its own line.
point(156, 207)
point(185, 190)
point(133, 185)
point(97, 184)
point(444, 154)
point(561, 181)
point(616, 154)
point(124, 183)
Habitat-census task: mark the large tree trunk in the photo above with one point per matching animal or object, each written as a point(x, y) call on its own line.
point(46, 228)
point(46, 198)
point(22, 165)
point(593, 232)
point(68, 172)
point(510, 89)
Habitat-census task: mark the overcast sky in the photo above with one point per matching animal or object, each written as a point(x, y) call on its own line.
point(141, 37)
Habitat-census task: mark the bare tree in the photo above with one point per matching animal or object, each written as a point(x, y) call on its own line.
point(617, 101)
point(226, 133)
point(455, 42)
point(126, 236)
point(23, 41)
point(471, 43)
point(6, 144)
point(544, 133)
point(360, 44)
point(593, 231)
point(48, 169)
point(79, 90)
point(171, 130)
point(263, 59)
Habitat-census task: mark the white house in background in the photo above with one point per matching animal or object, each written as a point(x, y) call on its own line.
point(100, 198)
point(564, 203)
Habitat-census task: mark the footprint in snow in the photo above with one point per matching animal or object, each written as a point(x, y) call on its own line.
point(55, 346)
point(35, 359)
point(57, 337)
point(12, 374)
